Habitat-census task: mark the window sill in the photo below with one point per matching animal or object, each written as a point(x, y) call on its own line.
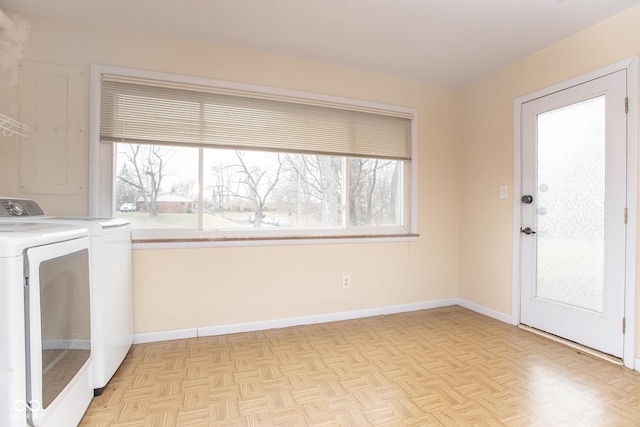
point(195, 242)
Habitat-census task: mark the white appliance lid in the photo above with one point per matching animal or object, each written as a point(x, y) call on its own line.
point(17, 236)
point(102, 222)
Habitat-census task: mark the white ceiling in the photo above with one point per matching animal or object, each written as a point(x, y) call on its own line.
point(444, 42)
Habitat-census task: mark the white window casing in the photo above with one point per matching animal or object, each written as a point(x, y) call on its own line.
point(142, 107)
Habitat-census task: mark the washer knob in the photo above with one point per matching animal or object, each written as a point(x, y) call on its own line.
point(16, 208)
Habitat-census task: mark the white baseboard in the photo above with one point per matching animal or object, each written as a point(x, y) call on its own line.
point(165, 335)
point(484, 310)
point(286, 322)
point(637, 365)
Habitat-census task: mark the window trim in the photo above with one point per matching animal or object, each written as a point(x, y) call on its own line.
point(102, 170)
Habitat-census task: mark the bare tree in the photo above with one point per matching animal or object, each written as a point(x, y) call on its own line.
point(259, 184)
point(220, 188)
point(185, 188)
point(125, 193)
point(319, 179)
point(310, 187)
point(393, 194)
point(369, 195)
point(146, 170)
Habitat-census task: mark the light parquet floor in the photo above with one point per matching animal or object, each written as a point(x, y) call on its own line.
point(442, 367)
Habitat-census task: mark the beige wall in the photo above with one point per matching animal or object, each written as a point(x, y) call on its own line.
point(187, 288)
point(465, 154)
point(487, 151)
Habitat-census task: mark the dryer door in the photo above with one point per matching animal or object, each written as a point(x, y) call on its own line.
point(58, 330)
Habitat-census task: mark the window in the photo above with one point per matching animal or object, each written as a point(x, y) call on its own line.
point(197, 158)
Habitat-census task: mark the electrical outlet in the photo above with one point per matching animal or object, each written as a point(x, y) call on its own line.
point(346, 281)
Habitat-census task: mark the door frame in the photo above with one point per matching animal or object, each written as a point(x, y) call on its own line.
point(631, 67)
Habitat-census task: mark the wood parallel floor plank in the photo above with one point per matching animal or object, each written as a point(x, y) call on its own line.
point(441, 367)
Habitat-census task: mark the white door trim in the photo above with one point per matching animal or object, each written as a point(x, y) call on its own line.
point(631, 66)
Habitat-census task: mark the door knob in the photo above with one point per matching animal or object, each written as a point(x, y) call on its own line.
point(527, 199)
point(527, 230)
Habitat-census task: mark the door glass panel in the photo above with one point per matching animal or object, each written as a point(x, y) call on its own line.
point(570, 204)
point(65, 321)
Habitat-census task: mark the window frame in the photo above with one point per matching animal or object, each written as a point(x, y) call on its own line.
point(102, 173)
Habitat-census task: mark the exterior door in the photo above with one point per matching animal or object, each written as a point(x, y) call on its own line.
point(574, 213)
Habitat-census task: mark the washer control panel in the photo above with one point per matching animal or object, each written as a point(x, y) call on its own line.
point(19, 207)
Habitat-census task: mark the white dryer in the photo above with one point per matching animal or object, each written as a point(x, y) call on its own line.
point(111, 282)
point(45, 324)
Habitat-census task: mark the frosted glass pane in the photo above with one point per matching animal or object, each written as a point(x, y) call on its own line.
point(570, 202)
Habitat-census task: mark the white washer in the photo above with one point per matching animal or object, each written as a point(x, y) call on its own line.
point(45, 325)
point(112, 293)
point(111, 283)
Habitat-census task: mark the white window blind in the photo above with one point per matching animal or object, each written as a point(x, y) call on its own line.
point(135, 110)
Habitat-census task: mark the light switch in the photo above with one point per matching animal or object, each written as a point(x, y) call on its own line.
point(504, 192)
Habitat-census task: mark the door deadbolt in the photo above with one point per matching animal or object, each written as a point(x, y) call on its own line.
point(527, 199)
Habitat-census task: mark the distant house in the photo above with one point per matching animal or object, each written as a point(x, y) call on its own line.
point(169, 203)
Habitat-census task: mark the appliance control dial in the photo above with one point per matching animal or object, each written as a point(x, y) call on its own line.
point(16, 208)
